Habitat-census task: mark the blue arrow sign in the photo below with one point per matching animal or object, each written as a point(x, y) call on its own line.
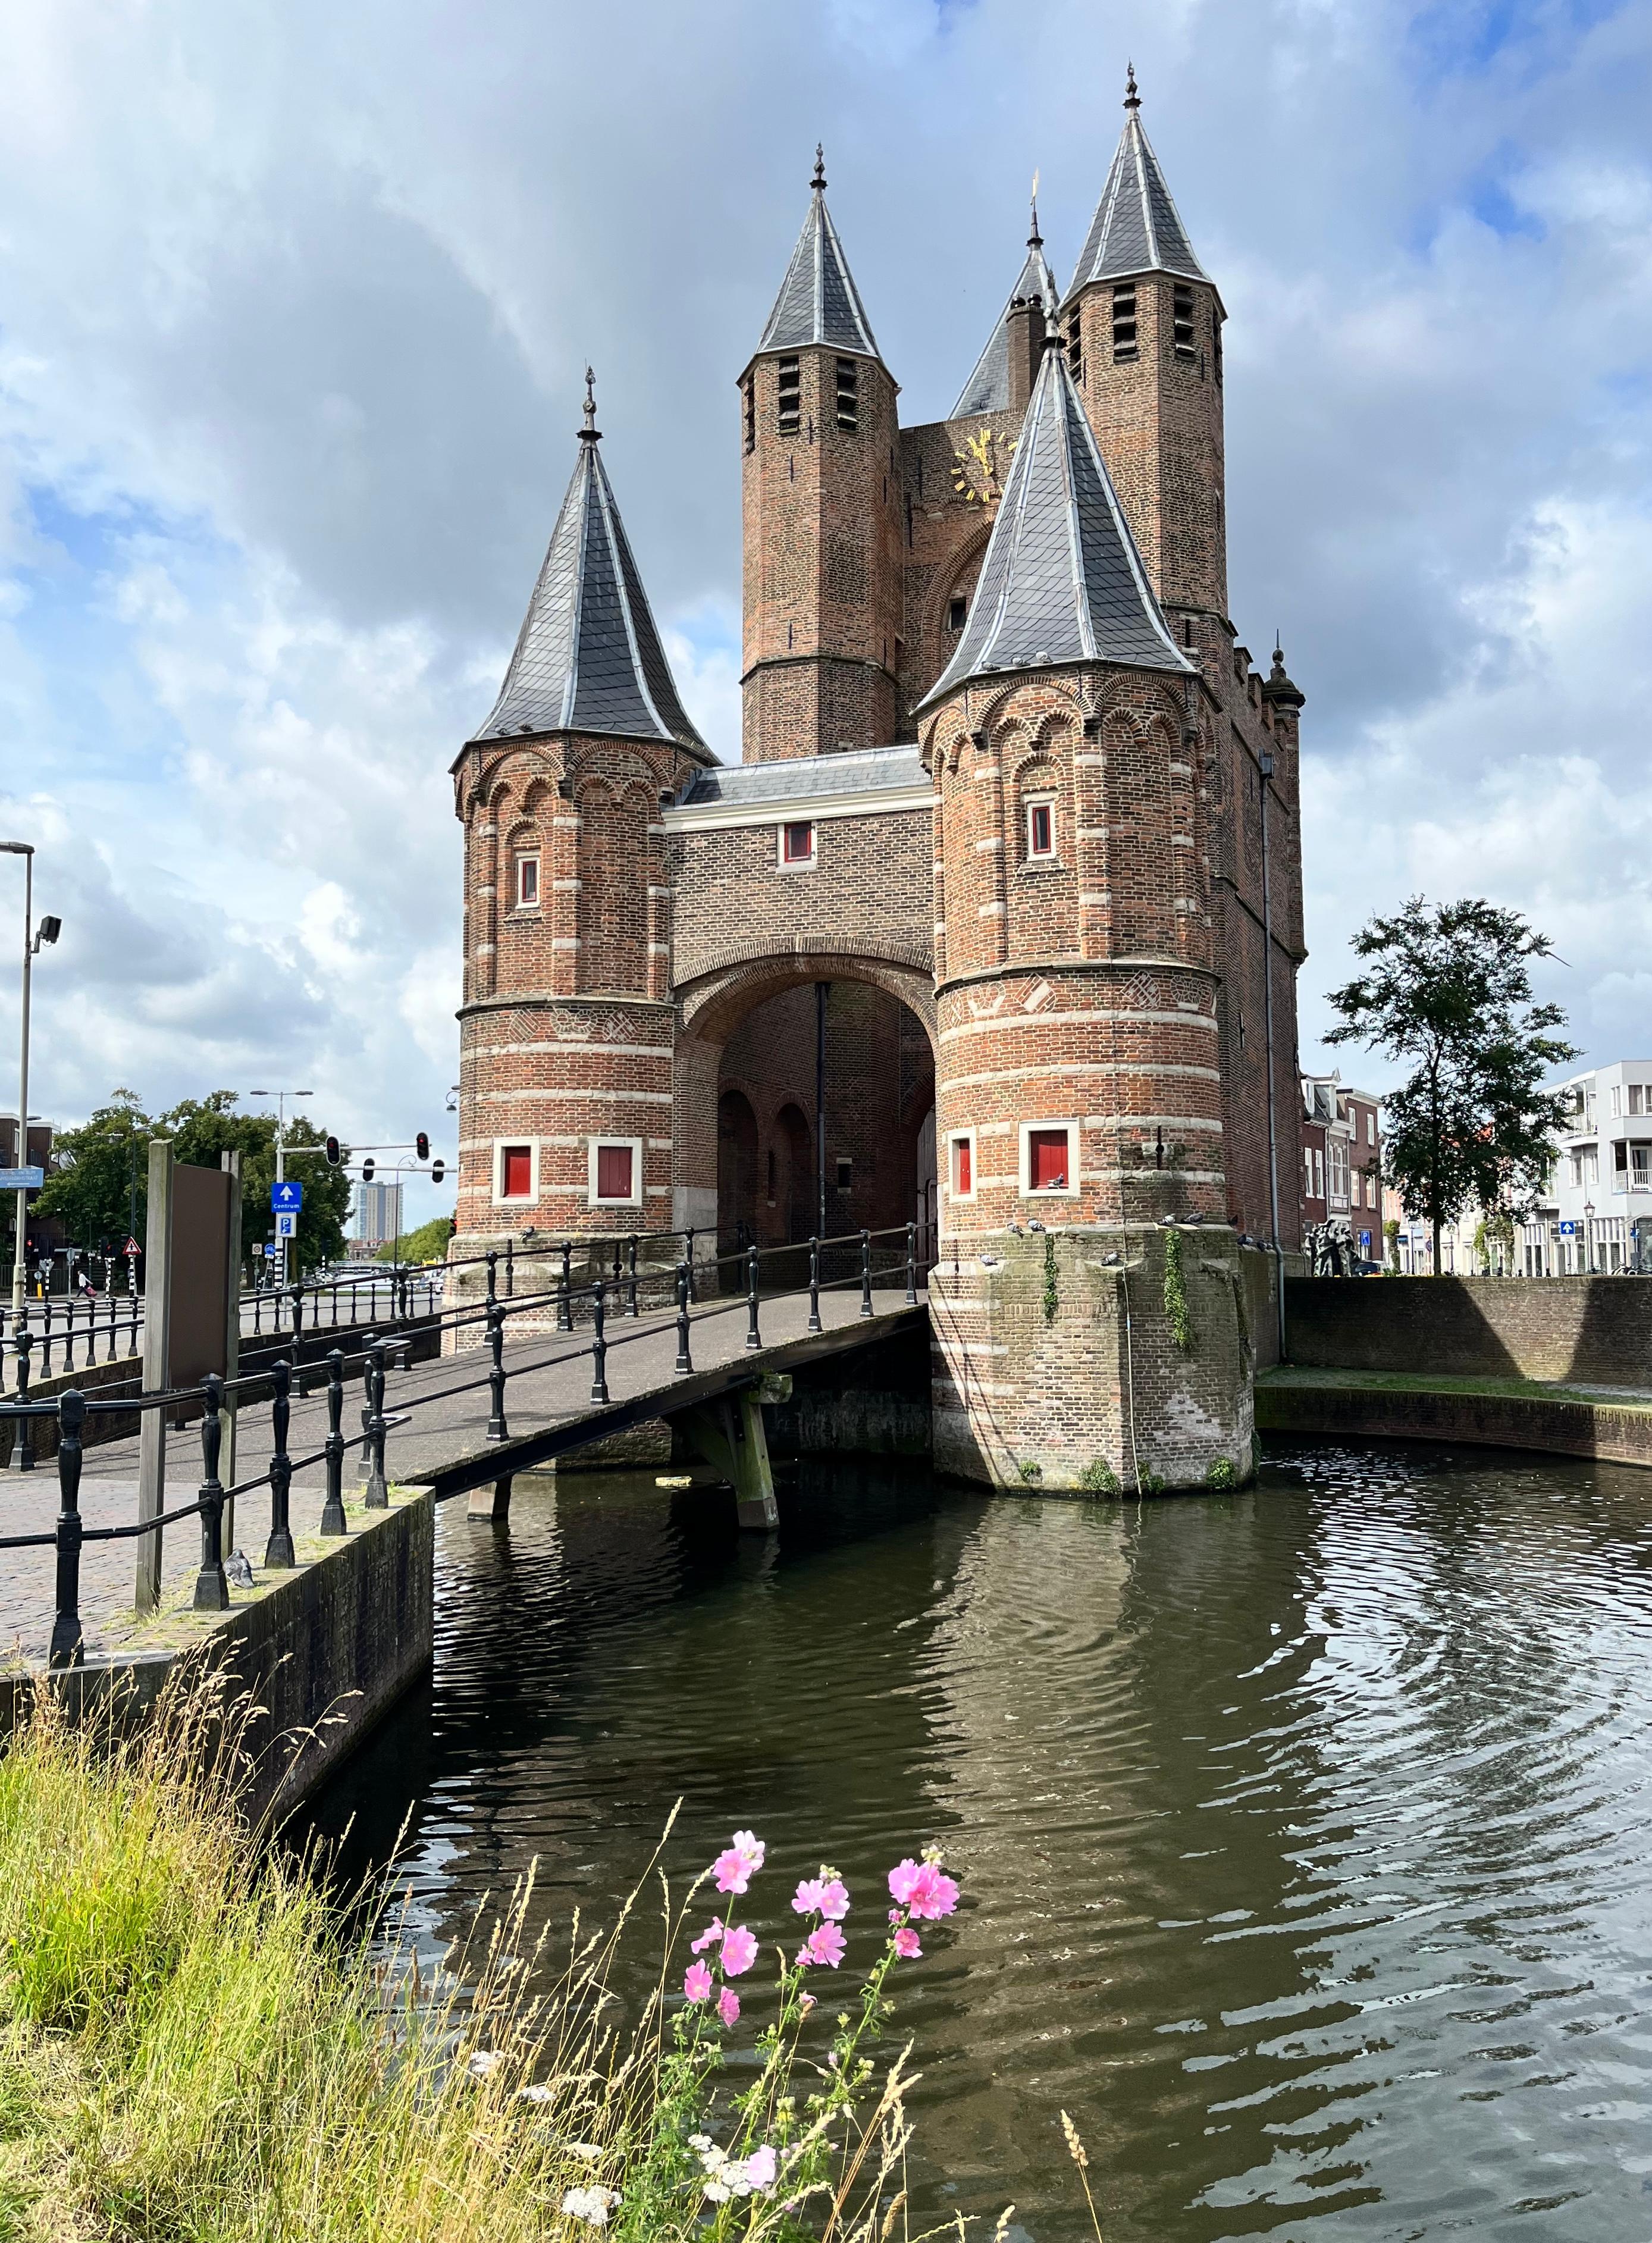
point(1566, 1229)
point(286, 1198)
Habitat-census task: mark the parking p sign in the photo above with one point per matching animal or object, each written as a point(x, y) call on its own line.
point(286, 1226)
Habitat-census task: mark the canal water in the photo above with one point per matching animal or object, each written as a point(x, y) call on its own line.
point(1303, 1833)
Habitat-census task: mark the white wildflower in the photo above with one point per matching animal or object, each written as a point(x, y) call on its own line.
point(537, 2092)
point(590, 2204)
point(484, 2061)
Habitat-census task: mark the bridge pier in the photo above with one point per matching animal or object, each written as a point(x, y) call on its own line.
point(490, 1501)
point(729, 1434)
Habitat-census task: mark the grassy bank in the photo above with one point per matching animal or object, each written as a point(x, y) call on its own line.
point(191, 2047)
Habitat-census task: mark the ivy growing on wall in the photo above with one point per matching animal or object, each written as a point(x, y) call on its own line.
point(1175, 1308)
point(1052, 1299)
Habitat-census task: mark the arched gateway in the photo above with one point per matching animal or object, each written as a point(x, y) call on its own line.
point(993, 890)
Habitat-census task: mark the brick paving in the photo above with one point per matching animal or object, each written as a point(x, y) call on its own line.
point(641, 1355)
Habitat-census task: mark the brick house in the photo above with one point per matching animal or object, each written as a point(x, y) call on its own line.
point(1341, 1174)
point(997, 921)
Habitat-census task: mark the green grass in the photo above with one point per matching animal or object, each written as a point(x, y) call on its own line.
point(1408, 1382)
point(194, 2049)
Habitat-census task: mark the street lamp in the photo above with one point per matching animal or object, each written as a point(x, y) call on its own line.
point(49, 930)
point(1589, 1236)
point(280, 1098)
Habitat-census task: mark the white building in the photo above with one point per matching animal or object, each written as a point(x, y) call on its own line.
point(1596, 1212)
point(378, 1214)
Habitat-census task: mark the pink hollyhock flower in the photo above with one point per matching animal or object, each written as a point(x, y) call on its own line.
point(728, 2006)
point(906, 1942)
point(933, 1893)
point(833, 1903)
point(697, 1982)
point(740, 1950)
point(737, 1864)
point(806, 1899)
point(903, 1879)
point(760, 2167)
point(826, 1944)
point(805, 2002)
point(709, 1937)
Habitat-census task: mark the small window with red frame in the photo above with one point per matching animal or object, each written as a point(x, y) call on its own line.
point(963, 1168)
point(527, 883)
point(614, 1172)
point(516, 1172)
point(1040, 829)
point(797, 843)
point(1046, 1161)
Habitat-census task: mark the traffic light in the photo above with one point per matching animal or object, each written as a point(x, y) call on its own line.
point(333, 1153)
point(438, 1169)
point(367, 1171)
point(422, 1144)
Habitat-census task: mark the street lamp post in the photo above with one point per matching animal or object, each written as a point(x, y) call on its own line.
point(1589, 1237)
point(280, 1098)
point(49, 930)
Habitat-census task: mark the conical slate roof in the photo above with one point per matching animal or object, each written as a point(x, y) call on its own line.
point(588, 658)
point(1136, 227)
point(1061, 580)
point(987, 387)
point(819, 301)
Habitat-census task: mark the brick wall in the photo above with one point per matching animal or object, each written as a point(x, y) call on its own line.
point(1594, 1329)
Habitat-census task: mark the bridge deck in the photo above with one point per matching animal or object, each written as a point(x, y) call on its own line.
point(548, 1409)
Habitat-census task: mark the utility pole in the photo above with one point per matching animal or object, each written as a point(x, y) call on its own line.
point(1265, 761)
point(280, 1098)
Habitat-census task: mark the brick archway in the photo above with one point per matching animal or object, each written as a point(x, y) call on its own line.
point(714, 1006)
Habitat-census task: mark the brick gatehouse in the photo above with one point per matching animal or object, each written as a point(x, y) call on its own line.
point(974, 934)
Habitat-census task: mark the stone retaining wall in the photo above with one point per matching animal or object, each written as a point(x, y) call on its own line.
point(1597, 1330)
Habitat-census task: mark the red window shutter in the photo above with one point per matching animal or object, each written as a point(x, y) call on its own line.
point(965, 1172)
point(613, 1172)
point(1047, 1160)
point(1040, 833)
point(518, 1165)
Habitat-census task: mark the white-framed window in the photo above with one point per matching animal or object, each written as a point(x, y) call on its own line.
point(516, 1171)
point(1307, 1172)
point(796, 845)
point(1049, 1158)
point(615, 1177)
point(528, 880)
point(1618, 1101)
point(960, 1164)
point(1040, 827)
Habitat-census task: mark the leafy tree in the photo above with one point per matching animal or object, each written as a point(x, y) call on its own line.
point(427, 1244)
point(91, 1192)
point(1448, 989)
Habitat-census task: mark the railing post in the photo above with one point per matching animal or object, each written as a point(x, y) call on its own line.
point(631, 1274)
point(334, 1326)
point(866, 1273)
point(814, 1285)
point(258, 1313)
point(511, 1269)
point(688, 1257)
point(67, 1648)
point(211, 1590)
point(298, 1319)
point(333, 1509)
point(753, 1336)
point(598, 1345)
point(278, 1552)
point(131, 1294)
point(23, 1441)
point(45, 1340)
point(912, 1265)
point(378, 1494)
point(497, 1430)
point(69, 1345)
point(110, 1357)
point(564, 1304)
point(685, 1361)
point(493, 1276)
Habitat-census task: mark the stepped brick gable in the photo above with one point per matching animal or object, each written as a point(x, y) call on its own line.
point(981, 932)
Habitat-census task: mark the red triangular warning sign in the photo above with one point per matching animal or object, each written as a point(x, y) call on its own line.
point(132, 1246)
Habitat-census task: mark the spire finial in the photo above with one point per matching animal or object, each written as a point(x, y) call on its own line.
point(1132, 100)
point(591, 433)
point(1035, 239)
point(819, 181)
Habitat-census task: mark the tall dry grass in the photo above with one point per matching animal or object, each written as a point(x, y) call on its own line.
point(194, 2046)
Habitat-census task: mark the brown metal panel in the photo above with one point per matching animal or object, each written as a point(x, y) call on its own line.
point(200, 1275)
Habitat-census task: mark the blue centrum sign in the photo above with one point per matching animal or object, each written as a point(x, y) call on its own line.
point(286, 1198)
point(21, 1179)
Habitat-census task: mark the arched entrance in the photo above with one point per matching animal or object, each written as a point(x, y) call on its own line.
point(762, 1039)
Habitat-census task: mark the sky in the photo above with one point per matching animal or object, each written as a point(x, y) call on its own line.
point(295, 301)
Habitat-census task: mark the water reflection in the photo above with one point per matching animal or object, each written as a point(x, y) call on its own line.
point(1302, 1830)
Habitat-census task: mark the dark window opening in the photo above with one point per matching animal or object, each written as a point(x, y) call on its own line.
point(797, 844)
point(1182, 316)
point(1075, 346)
point(957, 610)
point(1216, 341)
point(790, 397)
point(848, 393)
point(846, 1172)
point(749, 390)
point(1124, 322)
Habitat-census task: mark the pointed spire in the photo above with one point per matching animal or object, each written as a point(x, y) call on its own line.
point(819, 301)
point(1061, 581)
point(588, 658)
point(1136, 227)
point(987, 389)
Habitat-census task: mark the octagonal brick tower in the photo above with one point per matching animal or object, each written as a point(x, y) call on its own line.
point(1078, 1091)
point(566, 1024)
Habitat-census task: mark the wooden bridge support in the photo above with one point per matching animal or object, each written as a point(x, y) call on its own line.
point(728, 1434)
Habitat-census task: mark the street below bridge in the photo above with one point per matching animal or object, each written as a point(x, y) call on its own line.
point(548, 1384)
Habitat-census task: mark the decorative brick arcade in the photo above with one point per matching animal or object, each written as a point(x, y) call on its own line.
point(998, 840)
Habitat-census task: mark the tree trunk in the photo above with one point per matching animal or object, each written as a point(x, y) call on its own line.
point(1436, 1230)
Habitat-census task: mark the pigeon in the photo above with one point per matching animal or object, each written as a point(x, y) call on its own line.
point(238, 1570)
